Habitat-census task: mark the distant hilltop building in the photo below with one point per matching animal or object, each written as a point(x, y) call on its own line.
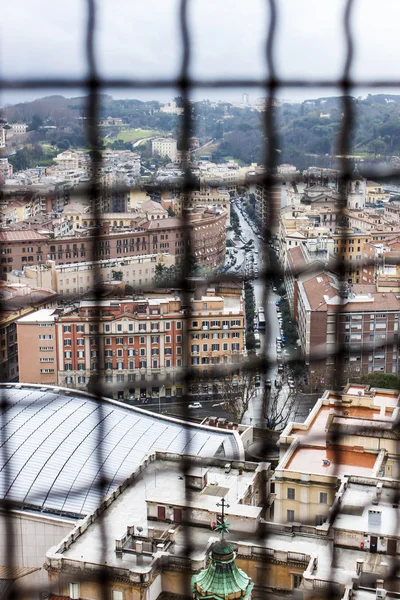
point(286, 169)
point(111, 121)
point(8, 130)
point(164, 147)
point(171, 109)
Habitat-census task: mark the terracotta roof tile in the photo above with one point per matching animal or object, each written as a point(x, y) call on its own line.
point(21, 235)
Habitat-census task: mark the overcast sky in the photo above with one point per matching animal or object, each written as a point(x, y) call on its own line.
point(141, 38)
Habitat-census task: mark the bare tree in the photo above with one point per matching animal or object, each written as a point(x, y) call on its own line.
point(237, 392)
point(278, 407)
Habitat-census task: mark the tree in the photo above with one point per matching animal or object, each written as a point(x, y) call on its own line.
point(376, 146)
point(35, 123)
point(166, 276)
point(117, 275)
point(93, 385)
point(238, 392)
point(170, 212)
point(382, 380)
point(219, 131)
point(160, 274)
point(179, 101)
point(278, 405)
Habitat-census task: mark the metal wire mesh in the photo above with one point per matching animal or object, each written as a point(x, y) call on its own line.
point(185, 85)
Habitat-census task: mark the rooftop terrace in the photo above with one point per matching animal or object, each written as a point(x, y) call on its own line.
point(334, 462)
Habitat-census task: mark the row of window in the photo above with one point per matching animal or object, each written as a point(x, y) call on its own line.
point(216, 336)
point(120, 327)
point(120, 341)
point(205, 360)
point(291, 495)
point(214, 347)
point(291, 517)
point(122, 366)
point(208, 324)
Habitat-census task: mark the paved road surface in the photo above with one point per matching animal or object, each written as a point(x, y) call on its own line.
point(268, 339)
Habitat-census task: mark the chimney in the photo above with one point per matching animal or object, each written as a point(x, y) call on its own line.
point(378, 493)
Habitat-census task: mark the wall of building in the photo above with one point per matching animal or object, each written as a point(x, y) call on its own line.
point(30, 353)
point(306, 503)
point(33, 535)
point(207, 233)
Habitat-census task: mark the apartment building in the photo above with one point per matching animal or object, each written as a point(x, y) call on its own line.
point(207, 234)
point(207, 197)
point(130, 345)
point(80, 217)
point(164, 147)
point(216, 331)
point(230, 175)
point(80, 278)
point(268, 201)
point(2, 137)
point(346, 435)
point(375, 193)
point(268, 206)
point(305, 258)
point(367, 326)
point(392, 212)
point(18, 300)
point(17, 129)
point(67, 160)
point(348, 239)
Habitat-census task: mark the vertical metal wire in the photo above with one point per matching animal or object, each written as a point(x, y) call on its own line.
point(93, 114)
point(8, 558)
point(184, 87)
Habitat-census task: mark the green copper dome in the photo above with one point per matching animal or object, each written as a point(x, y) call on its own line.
point(222, 579)
point(221, 548)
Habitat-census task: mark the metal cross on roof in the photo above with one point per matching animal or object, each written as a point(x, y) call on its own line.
point(223, 526)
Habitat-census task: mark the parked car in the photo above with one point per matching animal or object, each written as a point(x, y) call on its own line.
point(195, 405)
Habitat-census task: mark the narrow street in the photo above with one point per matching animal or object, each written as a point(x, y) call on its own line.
point(272, 330)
